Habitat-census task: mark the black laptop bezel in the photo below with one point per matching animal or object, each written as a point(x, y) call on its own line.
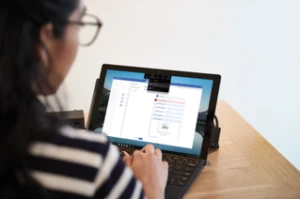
point(211, 110)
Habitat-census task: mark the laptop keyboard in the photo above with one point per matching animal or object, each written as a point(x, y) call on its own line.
point(180, 168)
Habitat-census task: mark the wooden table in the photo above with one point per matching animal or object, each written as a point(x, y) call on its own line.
point(245, 166)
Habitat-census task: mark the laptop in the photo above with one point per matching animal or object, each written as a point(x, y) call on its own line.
point(173, 110)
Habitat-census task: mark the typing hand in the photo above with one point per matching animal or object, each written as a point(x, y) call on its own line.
point(148, 167)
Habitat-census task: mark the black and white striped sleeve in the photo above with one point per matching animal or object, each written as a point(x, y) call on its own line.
point(78, 164)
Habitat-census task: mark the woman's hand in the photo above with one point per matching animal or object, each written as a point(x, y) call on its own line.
point(148, 167)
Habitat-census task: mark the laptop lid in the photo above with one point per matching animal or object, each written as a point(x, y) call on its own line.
point(173, 110)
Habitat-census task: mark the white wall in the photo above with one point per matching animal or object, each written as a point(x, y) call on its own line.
point(253, 44)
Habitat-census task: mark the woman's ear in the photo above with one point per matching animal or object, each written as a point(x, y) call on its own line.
point(46, 44)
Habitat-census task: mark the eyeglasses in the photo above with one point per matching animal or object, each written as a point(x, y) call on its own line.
point(89, 29)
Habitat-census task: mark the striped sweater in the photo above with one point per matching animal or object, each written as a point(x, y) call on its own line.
point(80, 165)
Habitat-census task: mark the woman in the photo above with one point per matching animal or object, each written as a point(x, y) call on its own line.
point(40, 157)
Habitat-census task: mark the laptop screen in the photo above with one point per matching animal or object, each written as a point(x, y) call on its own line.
point(167, 111)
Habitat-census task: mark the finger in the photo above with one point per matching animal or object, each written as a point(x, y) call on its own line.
point(126, 155)
point(128, 162)
point(136, 153)
point(127, 158)
point(149, 148)
point(158, 153)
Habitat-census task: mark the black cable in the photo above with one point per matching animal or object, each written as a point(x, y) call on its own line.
point(217, 121)
point(215, 134)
